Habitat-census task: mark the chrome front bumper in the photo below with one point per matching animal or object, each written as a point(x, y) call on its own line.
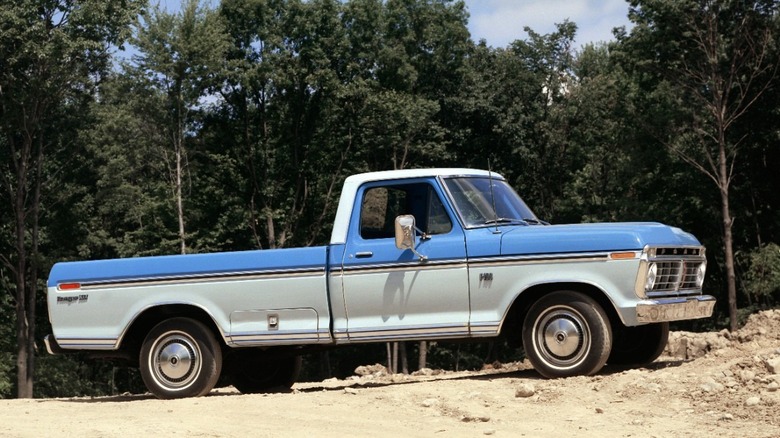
point(675, 309)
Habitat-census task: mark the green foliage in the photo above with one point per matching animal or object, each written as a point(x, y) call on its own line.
point(127, 209)
point(471, 356)
point(6, 374)
point(75, 375)
point(762, 280)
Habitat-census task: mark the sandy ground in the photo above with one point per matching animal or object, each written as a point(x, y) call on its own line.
point(705, 385)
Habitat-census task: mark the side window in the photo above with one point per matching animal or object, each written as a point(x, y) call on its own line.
point(379, 209)
point(381, 205)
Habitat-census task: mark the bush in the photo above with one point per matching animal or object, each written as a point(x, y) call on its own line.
point(6, 375)
point(762, 279)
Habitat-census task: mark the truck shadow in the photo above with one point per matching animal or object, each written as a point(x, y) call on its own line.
point(390, 380)
point(524, 374)
point(609, 370)
point(398, 380)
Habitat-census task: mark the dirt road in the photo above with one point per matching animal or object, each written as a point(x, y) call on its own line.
point(706, 385)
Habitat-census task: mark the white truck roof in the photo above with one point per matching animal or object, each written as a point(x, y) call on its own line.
point(352, 183)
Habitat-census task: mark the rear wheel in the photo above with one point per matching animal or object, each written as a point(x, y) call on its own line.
point(638, 345)
point(254, 372)
point(180, 357)
point(566, 333)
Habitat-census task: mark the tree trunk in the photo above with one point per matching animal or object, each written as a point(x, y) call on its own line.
point(23, 360)
point(25, 264)
point(395, 357)
point(179, 199)
point(389, 348)
point(404, 360)
point(423, 358)
point(392, 357)
point(728, 240)
point(269, 219)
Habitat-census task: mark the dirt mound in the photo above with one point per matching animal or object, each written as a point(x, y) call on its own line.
point(740, 371)
point(761, 330)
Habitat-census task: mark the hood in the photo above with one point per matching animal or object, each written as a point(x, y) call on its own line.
point(592, 238)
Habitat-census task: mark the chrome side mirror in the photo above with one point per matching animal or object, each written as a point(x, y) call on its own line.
point(405, 234)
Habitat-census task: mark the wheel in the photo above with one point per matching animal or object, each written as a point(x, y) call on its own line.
point(566, 333)
point(180, 357)
point(638, 345)
point(253, 372)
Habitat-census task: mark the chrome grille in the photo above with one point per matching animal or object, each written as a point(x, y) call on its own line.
point(675, 271)
point(676, 275)
point(668, 276)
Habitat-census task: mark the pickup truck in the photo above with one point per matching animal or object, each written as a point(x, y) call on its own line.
point(427, 254)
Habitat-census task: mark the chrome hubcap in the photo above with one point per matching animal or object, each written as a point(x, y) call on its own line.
point(562, 337)
point(175, 360)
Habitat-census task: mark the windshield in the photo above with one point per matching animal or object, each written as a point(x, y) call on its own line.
point(475, 200)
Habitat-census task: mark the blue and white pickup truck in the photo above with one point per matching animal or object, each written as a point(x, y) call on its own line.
point(425, 254)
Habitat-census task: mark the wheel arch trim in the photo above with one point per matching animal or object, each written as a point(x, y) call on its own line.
point(523, 301)
point(158, 312)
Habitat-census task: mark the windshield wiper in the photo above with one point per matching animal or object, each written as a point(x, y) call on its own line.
point(533, 221)
point(505, 220)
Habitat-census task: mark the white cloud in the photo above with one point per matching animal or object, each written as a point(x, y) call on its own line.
point(500, 22)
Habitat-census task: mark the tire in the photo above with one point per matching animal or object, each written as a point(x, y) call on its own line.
point(638, 345)
point(566, 333)
point(253, 372)
point(180, 357)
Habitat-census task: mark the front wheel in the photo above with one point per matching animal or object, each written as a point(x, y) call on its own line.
point(566, 333)
point(180, 357)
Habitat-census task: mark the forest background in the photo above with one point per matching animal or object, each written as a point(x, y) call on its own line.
point(233, 126)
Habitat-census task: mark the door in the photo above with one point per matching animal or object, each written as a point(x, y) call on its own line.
point(390, 293)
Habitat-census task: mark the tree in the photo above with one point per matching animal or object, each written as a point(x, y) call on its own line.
point(180, 54)
point(51, 54)
point(510, 109)
point(718, 58)
point(125, 210)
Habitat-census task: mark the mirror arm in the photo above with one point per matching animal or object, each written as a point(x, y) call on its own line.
point(423, 234)
point(422, 257)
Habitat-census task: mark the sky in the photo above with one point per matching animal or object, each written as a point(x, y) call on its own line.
point(499, 22)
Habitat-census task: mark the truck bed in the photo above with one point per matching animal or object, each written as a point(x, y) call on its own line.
point(261, 297)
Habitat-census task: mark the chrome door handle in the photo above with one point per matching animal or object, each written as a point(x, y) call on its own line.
point(364, 254)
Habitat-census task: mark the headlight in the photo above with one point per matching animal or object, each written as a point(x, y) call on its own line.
point(652, 274)
point(700, 274)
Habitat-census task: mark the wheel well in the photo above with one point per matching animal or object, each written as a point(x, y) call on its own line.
point(136, 333)
point(513, 323)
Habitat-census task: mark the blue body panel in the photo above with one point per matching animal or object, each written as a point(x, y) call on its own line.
point(190, 265)
point(535, 239)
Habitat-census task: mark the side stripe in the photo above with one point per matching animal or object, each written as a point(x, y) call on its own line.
point(538, 259)
point(204, 278)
